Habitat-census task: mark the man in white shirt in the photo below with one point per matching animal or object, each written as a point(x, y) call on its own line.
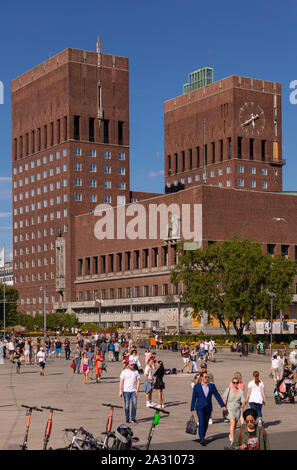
point(129, 386)
point(41, 359)
point(134, 358)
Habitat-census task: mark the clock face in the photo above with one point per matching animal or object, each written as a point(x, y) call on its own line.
point(252, 119)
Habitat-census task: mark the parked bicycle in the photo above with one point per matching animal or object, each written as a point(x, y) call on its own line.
point(30, 409)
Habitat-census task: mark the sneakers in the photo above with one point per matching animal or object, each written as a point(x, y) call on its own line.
point(210, 421)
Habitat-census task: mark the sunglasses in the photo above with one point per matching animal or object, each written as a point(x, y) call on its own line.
point(235, 382)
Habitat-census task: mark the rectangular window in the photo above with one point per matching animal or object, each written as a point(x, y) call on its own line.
point(176, 162)
point(93, 168)
point(229, 148)
point(264, 185)
point(240, 169)
point(263, 150)
point(120, 132)
point(198, 157)
point(145, 258)
point(45, 137)
point(107, 170)
point(52, 134)
point(107, 155)
point(92, 153)
point(183, 161)
point(253, 183)
point(76, 127)
point(285, 250)
point(107, 184)
point(205, 154)
point(190, 159)
point(106, 131)
point(213, 145)
point(121, 171)
point(253, 170)
point(240, 182)
point(91, 129)
point(93, 183)
point(121, 185)
point(121, 156)
point(239, 147)
point(58, 131)
point(65, 127)
point(107, 199)
point(221, 150)
point(251, 149)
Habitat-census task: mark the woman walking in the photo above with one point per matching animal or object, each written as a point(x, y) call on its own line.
point(27, 352)
point(17, 359)
point(85, 367)
point(241, 384)
point(233, 397)
point(159, 384)
point(256, 395)
point(98, 363)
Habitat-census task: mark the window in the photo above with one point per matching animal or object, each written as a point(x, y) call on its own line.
point(78, 182)
point(93, 168)
point(93, 198)
point(91, 129)
point(263, 150)
point(239, 147)
point(285, 250)
point(264, 171)
point(212, 174)
point(107, 184)
point(240, 169)
point(93, 183)
point(106, 131)
point(253, 183)
point(107, 170)
point(76, 127)
point(65, 182)
point(197, 177)
point(107, 199)
point(92, 153)
point(121, 200)
point(121, 171)
point(107, 155)
point(228, 184)
point(77, 151)
point(221, 150)
point(228, 170)
point(78, 166)
point(251, 149)
point(121, 185)
point(213, 145)
point(240, 182)
point(264, 185)
point(120, 132)
point(253, 170)
point(78, 197)
point(122, 156)
point(189, 179)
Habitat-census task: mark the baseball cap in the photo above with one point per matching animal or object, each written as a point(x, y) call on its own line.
point(204, 365)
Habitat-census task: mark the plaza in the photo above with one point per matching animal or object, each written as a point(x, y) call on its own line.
point(82, 404)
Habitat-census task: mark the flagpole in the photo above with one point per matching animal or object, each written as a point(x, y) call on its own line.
point(4, 312)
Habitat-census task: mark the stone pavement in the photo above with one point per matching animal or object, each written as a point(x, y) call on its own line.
point(82, 403)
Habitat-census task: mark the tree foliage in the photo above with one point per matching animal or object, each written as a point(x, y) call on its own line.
point(11, 297)
point(231, 281)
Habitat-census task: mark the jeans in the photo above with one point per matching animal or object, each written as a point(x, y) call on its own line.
point(194, 367)
point(257, 407)
point(130, 396)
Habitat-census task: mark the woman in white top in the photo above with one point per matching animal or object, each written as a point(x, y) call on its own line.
point(275, 367)
point(27, 352)
point(256, 395)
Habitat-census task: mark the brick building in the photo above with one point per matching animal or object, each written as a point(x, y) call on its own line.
point(70, 153)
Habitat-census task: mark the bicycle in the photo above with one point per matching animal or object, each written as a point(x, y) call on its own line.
point(49, 423)
point(30, 409)
point(108, 431)
point(80, 443)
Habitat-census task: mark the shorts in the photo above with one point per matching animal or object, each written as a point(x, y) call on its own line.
point(58, 350)
point(42, 364)
point(147, 387)
point(186, 360)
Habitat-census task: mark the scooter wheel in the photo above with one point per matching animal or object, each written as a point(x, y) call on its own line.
point(292, 400)
point(277, 400)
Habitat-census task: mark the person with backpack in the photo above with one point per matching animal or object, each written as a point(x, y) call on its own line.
point(250, 436)
point(111, 351)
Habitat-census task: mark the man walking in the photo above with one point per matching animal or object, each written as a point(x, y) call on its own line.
point(148, 382)
point(129, 386)
point(201, 402)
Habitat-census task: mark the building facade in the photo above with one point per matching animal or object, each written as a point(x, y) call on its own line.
point(105, 252)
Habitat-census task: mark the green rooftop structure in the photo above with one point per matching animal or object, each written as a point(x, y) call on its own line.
point(198, 79)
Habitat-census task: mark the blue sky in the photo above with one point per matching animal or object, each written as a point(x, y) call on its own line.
point(164, 41)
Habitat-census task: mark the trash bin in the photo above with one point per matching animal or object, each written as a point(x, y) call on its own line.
point(174, 346)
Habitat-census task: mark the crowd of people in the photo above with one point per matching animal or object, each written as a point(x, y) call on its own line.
point(241, 404)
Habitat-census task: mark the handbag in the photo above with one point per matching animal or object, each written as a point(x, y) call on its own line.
point(225, 413)
point(85, 367)
point(191, 427)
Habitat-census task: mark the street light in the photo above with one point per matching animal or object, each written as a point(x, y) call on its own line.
point(44, 313)
point(271, 295)
point(178, 319)
point(100, 301)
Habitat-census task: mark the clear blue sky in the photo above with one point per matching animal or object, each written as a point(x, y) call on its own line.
point(164, 41)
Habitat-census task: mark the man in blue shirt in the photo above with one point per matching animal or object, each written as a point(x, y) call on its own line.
point(201, 402)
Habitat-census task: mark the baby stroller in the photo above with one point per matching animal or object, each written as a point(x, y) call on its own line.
point(285, 388)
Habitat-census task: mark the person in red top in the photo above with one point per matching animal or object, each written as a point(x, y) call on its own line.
point(98, 363)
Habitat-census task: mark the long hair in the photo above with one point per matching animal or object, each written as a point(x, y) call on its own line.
point(256, 377)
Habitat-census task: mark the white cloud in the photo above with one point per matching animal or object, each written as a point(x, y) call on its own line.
point(5, 178)
point(155, 174)
point(5, 214)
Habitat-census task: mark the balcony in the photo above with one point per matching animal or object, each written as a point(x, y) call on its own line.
point(277, 162)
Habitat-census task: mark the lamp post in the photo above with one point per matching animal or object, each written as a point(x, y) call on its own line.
point(99, 317)
point(44, 313)
point(131, 314)
point(271, 295)
point(178, 319)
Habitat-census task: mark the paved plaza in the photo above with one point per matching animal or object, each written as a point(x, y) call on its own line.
point(82, 404)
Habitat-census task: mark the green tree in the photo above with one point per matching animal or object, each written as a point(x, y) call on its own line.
point(231, 280)
point(11, 297)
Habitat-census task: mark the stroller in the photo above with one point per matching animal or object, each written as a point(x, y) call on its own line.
point(285, 388)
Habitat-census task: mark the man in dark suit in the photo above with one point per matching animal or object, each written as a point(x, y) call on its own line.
point(201, 402)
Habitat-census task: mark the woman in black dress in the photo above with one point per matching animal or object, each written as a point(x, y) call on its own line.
point(159, 384)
